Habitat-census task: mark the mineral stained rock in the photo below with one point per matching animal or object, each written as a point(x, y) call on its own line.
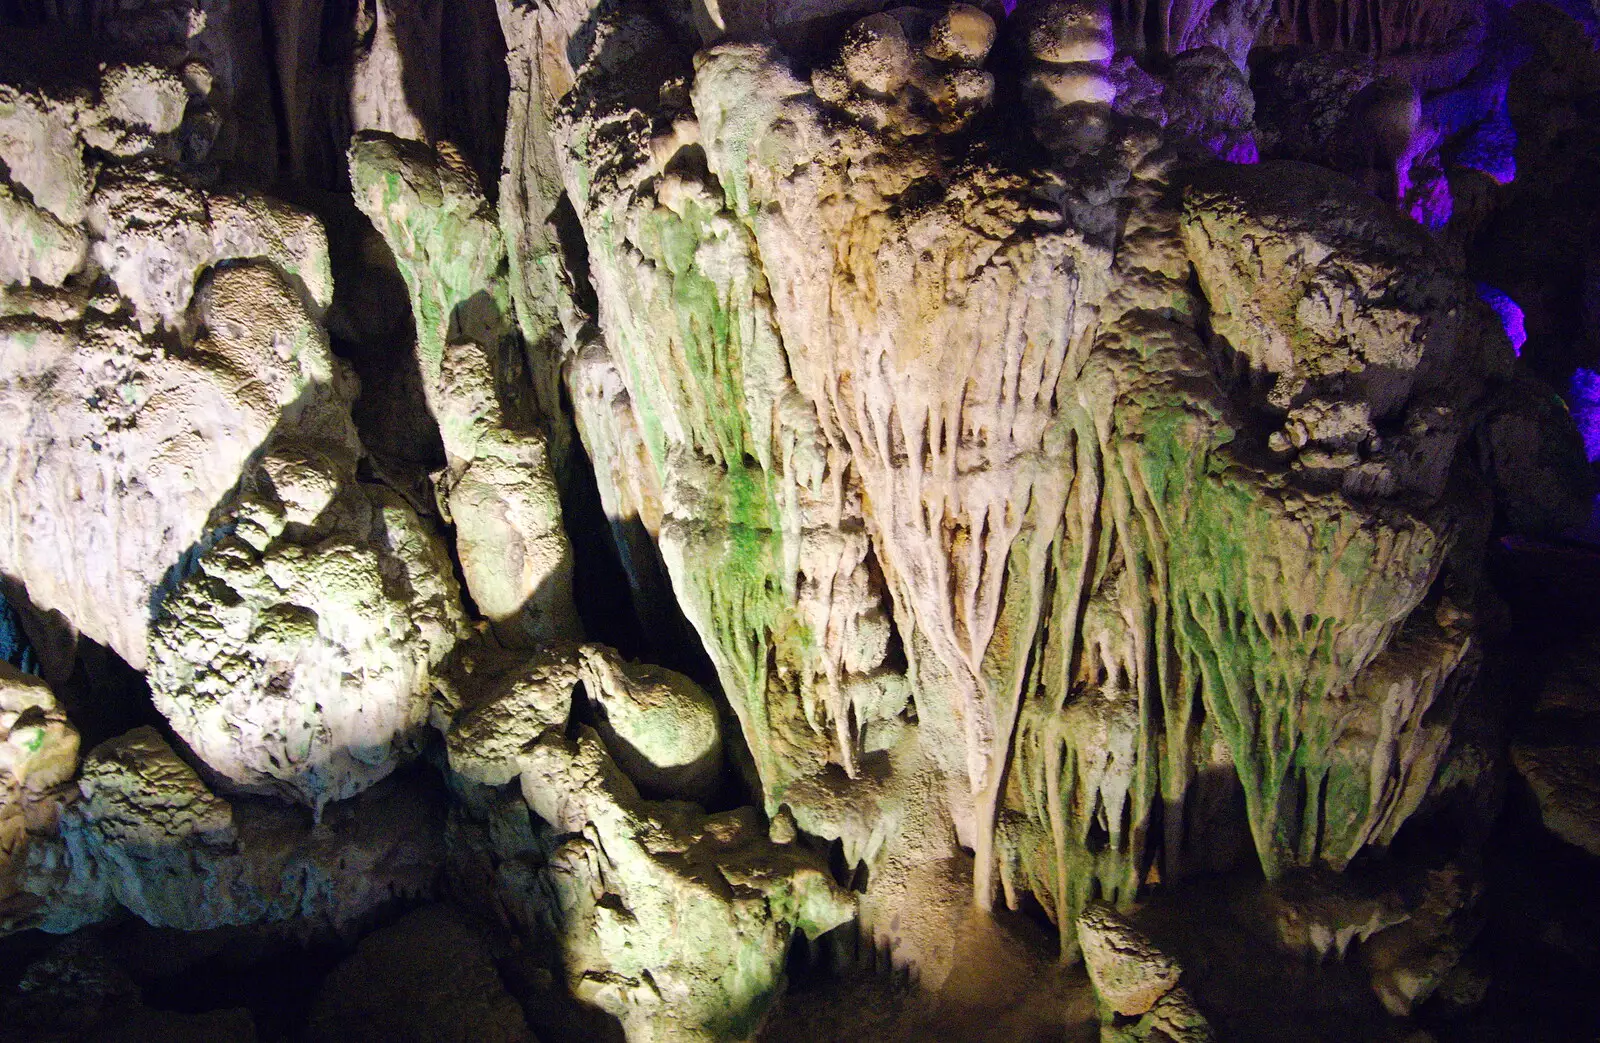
point(498, 487)
point(905, 399)
point(147, 834)
point(673, 920)
point(1065, 503)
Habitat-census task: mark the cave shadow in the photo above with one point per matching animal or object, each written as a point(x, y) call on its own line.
point(99, 692)
point(455, 79)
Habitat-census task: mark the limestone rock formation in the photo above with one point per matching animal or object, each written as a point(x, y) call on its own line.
point(296, 654)
point(672, 920)
point(1051, 454)
point(38, 760)
point(148, 835)
point(125, 441)
point(1558, 752)
point(834, 333)
point(511, 707)
point(498, 488)
point(75, 992)
point(661, 727)
point(1137, 983)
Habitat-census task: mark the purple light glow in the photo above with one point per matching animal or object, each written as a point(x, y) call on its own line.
point(1584, 402)
point(1510, 316)
point(1244, 151)
point(1432, 204)
point(1492, 148)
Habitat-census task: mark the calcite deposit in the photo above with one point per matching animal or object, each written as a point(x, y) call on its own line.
point(718, 498)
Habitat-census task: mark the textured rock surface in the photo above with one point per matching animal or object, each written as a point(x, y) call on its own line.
point(76, 993)
point(1035, 498)
point(499, 488)
point(38, 760)
point(514, 705)
point(123, 440)
point(916, 446)
point(674, 921)
point(1137, 983)
point(148, 835)
point(296, 655)
point(661, 727)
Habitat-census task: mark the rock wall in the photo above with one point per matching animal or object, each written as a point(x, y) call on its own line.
point(1067, 505)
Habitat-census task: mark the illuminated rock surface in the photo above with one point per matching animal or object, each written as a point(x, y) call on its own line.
point(998, 519)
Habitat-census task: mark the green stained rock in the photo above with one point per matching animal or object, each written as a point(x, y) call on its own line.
point(498, 487)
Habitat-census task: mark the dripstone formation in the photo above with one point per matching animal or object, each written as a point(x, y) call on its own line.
point(727, 520)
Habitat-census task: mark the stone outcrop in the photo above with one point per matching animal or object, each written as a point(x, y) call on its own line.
point(75, 992)
point(133, 406)
point(297, 657)
point(38, 760)
point(931, 405)
point(498, 487)
point(662, 728)
point(674, 921)
point(1137, 984)
point(147, 834)
point(1036, 499)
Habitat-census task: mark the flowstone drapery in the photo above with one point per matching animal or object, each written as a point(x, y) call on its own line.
point(1147, 475)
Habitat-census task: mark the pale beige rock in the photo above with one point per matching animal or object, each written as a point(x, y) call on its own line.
point(38, 757)
point(300, 664)
point(149, 835)
point(121, 448)
point(674, 921)
point(659, 726)
point(39, 145)
point(962, 34)
point(499, 487)
point(1129, 973)
point(486, 740)
point(295, 654)
point(803, 347)
point(1408, 962)
point(1062, 32)
point(154, 235)
point(40, 747)
point(145, 96)
point(36, 245)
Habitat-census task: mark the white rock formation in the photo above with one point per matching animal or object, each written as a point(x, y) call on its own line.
point(499, 488)
point(660, 727)
point(674, 921)
point(297, 657)
point(129, 413)
point(38, 757)
point(147, 834)
point(925, 421)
